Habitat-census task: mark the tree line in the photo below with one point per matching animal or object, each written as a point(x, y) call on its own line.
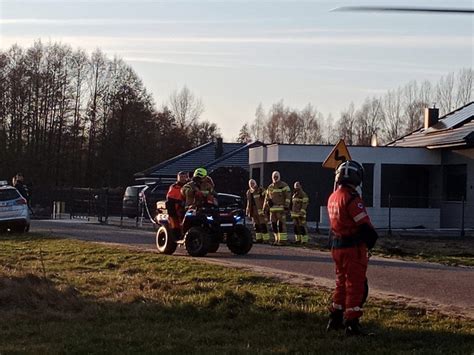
point(388, 117)
point(72, 119)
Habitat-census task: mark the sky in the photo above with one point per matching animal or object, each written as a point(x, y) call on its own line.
point(235, 54)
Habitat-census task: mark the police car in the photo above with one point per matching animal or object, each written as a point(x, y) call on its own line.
point(14, 213)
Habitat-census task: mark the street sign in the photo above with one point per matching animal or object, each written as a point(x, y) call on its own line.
point(338, 155)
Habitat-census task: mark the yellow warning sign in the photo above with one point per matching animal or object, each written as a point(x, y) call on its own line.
point(338, 155)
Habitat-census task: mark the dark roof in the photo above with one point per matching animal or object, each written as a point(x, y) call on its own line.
point(237, 157)
point(203, 156)
point(453, 129)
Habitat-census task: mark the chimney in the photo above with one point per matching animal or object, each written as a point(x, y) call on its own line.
point(219, 148)
point(431, 116)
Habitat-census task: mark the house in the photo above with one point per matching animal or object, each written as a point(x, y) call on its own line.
point(226, 163)
point(425, 178)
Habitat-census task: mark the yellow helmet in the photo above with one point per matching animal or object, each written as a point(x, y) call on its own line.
point(200, 172)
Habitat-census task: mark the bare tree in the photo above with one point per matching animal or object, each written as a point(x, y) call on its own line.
point(311, 133)
point(464, 86)
point(258, 126)
point(244, 134)
point(445, 93)
point(275, 123)
point(186, 108)
point(346, 125)
point(393, 124)
point(369, 120)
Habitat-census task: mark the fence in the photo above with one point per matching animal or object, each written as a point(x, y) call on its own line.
point(88, 203)
point(415, 212)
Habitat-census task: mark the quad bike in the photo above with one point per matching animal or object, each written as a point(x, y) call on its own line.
point(203, 230)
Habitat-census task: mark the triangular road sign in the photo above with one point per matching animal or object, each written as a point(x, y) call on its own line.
point(338, 155)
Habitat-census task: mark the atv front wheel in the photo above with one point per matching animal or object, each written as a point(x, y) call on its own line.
point(165, 242)
point(197, 241)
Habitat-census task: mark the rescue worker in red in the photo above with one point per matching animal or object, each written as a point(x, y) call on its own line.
point(175, 203)
point(351, 235)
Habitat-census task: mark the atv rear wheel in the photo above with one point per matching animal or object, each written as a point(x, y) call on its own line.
point(240, 242)
point(197, 241)
point(165, 242)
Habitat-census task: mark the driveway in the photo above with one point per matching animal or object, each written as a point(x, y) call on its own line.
point(429, 285)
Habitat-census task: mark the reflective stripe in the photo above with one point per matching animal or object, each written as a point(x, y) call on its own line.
point(303, 210)
point(337, 306)
point(305, 199)
point(360, 216)
point(355, 309)
point(276, 209)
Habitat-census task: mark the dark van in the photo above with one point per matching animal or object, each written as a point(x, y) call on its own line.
point(131, 199)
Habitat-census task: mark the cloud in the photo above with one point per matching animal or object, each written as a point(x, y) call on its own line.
point(127, 21)
point(380, 41)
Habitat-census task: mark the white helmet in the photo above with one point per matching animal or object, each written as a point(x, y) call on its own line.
point(276, 176)
point(252, 185)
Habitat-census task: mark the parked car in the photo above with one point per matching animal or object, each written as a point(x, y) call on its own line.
point(14, 212)
point(131, 199)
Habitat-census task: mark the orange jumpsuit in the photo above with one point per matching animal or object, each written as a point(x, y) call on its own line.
point(346, 214)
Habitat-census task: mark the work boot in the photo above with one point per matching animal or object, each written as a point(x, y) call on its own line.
point(353, 327)
point(266, 238)
point(335, 320)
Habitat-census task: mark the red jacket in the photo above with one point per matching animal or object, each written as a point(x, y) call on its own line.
point(174, 192)
point(346, 212)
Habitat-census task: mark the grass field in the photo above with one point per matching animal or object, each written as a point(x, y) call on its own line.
point(60, 295)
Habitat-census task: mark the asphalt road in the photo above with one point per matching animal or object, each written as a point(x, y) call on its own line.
point(427, 285)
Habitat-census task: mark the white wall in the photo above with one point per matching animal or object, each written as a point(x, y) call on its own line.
point(401, 217)
point(369, 155)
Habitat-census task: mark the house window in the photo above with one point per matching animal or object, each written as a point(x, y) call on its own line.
point(405, 186)
point(455, 179)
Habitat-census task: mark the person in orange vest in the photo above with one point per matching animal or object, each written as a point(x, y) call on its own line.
point(277, 200)
point(299, 203)
point(255, 200)
point(175, 203)
point(352, 235)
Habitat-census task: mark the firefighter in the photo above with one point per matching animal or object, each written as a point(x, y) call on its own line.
point(207, 189)
point(193, 195)
point(254, 210)
point(277, 200)
point(175, 203)
point(351, 235)
point(299, 203)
